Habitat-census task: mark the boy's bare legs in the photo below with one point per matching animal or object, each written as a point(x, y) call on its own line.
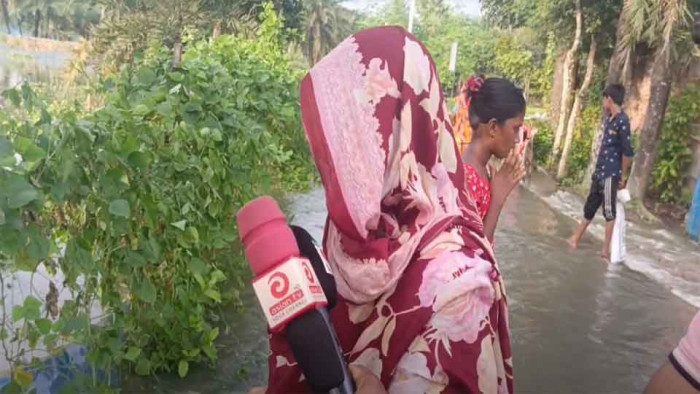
point(576, 238)
point(605, 253)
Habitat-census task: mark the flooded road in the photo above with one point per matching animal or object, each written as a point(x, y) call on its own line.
point(578, 325)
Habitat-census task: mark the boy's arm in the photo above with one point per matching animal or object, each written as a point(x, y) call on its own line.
point(627, 151)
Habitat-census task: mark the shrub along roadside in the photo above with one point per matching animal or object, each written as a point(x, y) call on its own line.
point(674, 156)
point(135, 202)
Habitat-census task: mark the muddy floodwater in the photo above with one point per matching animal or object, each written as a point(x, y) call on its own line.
point(578, 325)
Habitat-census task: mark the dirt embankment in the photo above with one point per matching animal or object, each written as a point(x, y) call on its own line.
point(32, 44)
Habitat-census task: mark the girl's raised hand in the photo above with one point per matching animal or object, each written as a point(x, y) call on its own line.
point(512, 171)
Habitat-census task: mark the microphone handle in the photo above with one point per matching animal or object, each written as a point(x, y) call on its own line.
point(348, 386)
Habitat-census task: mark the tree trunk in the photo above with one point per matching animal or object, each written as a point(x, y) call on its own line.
point(47, 22)
point(568, 84)
point(557, 87)
point(6, 15)
point(217, 29)
point(37, 22)
point(576, 110)
point(615, 66)
point(652, 123)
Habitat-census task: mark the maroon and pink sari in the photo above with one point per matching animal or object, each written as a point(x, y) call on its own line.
point(422, 302)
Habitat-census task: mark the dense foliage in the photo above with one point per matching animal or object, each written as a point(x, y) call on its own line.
point(674, 156)
point(579, 156)
point(135, 202)
point(482, 49)
point(543, 141)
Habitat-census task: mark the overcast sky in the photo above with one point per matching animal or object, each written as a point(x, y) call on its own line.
point(470, 7)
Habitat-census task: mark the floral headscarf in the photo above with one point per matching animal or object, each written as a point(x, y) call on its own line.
point(380, 133)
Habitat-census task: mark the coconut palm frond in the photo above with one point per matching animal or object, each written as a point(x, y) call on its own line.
point(327, 24)
point(676, 13)
point(650, 22)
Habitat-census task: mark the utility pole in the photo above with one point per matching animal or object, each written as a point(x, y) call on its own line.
point(453, 65)
point(411, 15)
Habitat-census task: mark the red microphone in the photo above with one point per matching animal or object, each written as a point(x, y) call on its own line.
point(291, 296)
point(284, 283)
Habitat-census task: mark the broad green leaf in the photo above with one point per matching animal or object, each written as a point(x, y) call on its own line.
point(17, 313)
point(143, 367)
point(217, 276)
point(200, 280)
point(210, 351)
point(23, 378)
point(19, 192)
point(136, 260)
point(181, 224)
point(141, 110)
point(164, 109)
point(139, 160)
point(119, 208)
point(44, 326)
point(22, 198)
point(213, 294)
point(146, 76)
point(13, 96)
point(6, 149)
point(147, 291)
point(2, 217)
point(79, 258)
point(39, 245)
point(10, 240)
point(176, 76)
point(213, 334)
point(192, 107)
point(193, 234)
point(12, 388)
point(182, 368)
point(30, 152)
point(197, 266)
point(132, 353)
point(32, 308)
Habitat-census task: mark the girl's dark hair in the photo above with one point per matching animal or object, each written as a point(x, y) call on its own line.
point(496, 98)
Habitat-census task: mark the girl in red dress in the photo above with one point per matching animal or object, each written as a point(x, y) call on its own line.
point(496, 115)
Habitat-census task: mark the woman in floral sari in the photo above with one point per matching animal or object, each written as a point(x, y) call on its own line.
point(422, 303)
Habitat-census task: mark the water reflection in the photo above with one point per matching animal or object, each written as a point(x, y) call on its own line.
point(18, 65)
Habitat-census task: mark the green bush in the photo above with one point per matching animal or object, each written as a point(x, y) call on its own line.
point(579, 156)
point(543, 142)
point(674, 155)
point(135, 203)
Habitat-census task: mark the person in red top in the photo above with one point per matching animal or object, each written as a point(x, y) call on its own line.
point(496, 115)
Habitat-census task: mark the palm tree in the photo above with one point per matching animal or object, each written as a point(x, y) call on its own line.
point(327, 24)
point(648, 27)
